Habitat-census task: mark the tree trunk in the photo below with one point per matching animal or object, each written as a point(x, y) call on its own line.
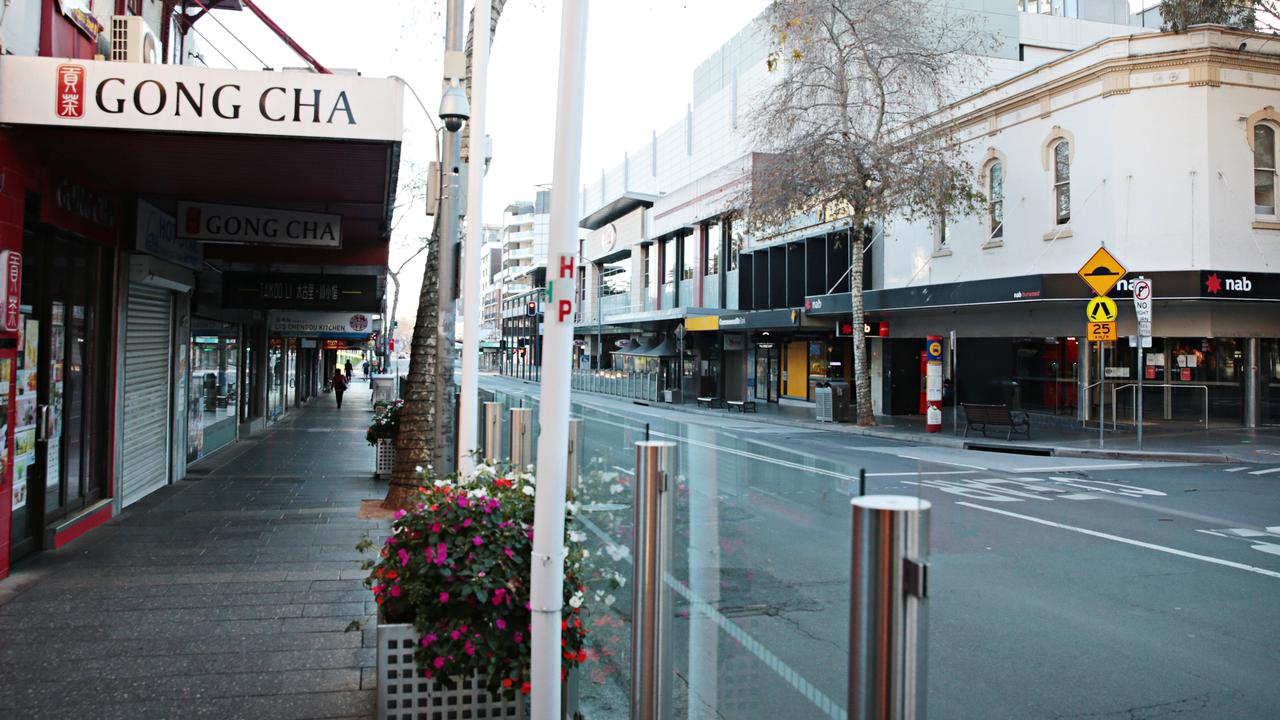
point(426, 424)
point(861, 368)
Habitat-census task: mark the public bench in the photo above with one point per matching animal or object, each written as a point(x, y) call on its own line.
point(708, 401)
point(978, 417)
point(742, 406)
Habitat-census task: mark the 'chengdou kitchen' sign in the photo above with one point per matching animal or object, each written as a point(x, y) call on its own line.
point(178, 98)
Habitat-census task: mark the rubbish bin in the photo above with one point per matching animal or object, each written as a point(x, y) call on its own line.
point(841, 402)
point(1011, 393)
point(822, 398)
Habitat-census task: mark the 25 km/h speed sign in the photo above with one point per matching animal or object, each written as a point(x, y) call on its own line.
point(1099, 331)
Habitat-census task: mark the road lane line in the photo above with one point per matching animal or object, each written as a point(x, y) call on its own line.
point(1235, 469)
point(1061, 468)
point(943, 462)
point(1128, 541)
point(917, 473)
point(1268, 471)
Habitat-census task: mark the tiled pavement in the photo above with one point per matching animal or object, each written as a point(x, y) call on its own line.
point(227, 595)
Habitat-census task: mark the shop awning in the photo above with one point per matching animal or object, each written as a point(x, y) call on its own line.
point(663, 349)
point(637, 350)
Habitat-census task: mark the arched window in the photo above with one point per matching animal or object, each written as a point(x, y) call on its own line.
point(1264, 169)
point(1062, 181)
point(995, 198)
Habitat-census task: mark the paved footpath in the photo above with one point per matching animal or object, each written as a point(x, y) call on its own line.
point(227, 595)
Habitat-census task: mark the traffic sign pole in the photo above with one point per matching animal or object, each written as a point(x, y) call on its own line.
point(1142, 301)
point(1102, 393)
point(1139, 401)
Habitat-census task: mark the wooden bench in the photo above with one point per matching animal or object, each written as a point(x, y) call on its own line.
point(978, 417)
point(708, 401)
point(742, 406)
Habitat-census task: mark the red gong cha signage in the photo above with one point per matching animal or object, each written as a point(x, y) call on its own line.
point(11, 288)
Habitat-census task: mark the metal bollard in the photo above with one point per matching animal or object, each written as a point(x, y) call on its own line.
point(492, 430)
point(575, 456)
point(651, 668)
point(887, 618)
point(521, 437)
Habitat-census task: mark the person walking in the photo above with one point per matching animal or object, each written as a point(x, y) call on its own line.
point(339, 384)
point(347, 367)
point(366, 371)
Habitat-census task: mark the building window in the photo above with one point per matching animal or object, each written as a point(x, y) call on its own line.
point(668, 253)
point(1264, 169)
point(644, 266)
point(995, 198)
point(941, 233)
point(686, 253)
point(1062, 181)
point(711, 250)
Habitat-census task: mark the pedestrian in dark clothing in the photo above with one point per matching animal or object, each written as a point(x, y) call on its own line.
point(366, 370)
point(347, 367)
point(339, 385)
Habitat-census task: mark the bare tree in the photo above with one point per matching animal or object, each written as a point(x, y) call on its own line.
point(1178, 15)
point(845, 125)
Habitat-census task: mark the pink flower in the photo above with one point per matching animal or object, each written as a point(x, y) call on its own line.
point(435, 527)
point(466, 522)
point(395, 591)
point(428, 639)
point(403, 555)
point(429, 554)
point(400, 513)
point(462, 501)
point(519, 637)
point(438, 662)
point(442, 553)
point(477, 541)
point(455, 635)
point(502, 624)
point(469, 648)
point(509, 553)
point(444, 597)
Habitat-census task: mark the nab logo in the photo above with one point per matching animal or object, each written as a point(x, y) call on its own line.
point(70, 92)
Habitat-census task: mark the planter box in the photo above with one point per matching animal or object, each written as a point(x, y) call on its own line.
point(404, 694)
point(384, 458)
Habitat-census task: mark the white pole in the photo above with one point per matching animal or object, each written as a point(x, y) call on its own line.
point(557, 343)
point(468, 409)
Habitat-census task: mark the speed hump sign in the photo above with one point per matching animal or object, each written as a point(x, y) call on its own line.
point(1099, 331)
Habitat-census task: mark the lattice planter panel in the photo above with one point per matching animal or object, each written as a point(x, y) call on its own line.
point(384, 458)
point(404, 694)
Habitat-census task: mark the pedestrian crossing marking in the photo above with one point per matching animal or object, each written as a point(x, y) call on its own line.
point(1268, 471)
point(1236, 469)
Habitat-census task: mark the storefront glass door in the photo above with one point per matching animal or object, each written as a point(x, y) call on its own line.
point(768, 369)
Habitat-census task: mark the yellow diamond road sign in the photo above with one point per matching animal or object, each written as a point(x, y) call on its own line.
point(1100, 309)
point(1101, 272)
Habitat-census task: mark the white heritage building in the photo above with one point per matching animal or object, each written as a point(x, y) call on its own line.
point(1096, 130)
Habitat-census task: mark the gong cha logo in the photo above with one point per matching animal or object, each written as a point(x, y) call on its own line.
point(359, 323)
point(70, 91)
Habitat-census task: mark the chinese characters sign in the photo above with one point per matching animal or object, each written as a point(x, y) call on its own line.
point(282, 291)
point(11, 289)
point(70, 97)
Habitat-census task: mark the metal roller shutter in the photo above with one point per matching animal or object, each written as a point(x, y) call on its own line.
point(148, 333)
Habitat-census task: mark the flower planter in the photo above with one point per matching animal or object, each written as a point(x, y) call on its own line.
point(384, 458)
point(403, 692)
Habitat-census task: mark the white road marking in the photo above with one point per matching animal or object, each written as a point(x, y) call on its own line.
point(1063, 468)
point(943, 462)
point(1268, 471)
point(1236, 469)
point(922, 472)
point(1128, 541)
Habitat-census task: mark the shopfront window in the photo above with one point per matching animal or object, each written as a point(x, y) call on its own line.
point(275, 368)
point(214, 386)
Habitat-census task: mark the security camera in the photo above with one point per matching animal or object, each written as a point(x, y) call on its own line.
point(454, 109)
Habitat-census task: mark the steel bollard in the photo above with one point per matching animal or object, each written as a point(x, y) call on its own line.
point(521, 437)
point(492, 430)
point(887, 618)
point(651, 668)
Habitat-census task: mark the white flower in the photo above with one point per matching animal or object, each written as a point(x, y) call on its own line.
point(441, 483)
point(418, 469)
point(576, 600)
point(609, 599)
point(585, 554)
point(577, 536)
point(527, 490)
point(616, 488)
point(572, 506)
point(617, 552)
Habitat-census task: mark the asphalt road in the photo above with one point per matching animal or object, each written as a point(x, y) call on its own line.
point(1059, 588)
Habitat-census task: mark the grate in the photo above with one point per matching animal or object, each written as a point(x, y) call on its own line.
point(403, 694)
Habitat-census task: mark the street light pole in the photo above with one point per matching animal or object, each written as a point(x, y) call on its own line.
point(468, 416)
point(547, 561)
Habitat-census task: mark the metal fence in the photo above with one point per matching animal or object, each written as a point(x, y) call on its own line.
point(623, 383)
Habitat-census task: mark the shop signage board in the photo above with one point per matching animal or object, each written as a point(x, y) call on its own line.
point(1101, 271)
point(157, 235)
point(334, 325)
point(182, 98)
point(210, 222)
point(1101, 309)
point(11, 289)
point(296, 291)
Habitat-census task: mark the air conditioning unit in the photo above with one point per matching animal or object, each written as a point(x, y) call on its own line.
point(132, 41)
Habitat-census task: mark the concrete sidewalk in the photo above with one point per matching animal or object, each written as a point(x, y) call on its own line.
point(226, 595)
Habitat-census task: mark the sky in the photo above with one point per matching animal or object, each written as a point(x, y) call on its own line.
point(640, 60)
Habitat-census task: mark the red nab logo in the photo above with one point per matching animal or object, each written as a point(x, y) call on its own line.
point(70, 92)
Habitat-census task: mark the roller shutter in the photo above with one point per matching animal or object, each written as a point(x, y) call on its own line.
point(147, 362)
